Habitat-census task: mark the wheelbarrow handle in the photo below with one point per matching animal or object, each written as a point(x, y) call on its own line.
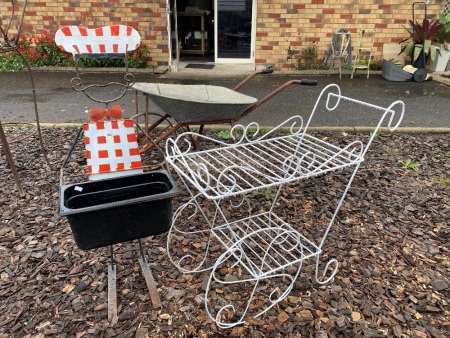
point(267, 71)
point(251, 76)
point(307, 82)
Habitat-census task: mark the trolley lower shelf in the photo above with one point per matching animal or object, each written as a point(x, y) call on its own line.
point(264, 244)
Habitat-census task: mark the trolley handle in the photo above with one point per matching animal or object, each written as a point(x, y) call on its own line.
point(307, 82)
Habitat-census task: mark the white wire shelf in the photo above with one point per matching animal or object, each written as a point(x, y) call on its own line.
point(246, 166)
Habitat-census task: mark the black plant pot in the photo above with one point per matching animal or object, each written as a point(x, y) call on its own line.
point(421, 60)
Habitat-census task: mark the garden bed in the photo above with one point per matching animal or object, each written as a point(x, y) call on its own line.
point(391, 239)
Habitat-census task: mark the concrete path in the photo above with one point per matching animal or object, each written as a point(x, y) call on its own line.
point(427, 103)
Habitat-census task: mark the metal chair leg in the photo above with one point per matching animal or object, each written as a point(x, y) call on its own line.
point(112, 290)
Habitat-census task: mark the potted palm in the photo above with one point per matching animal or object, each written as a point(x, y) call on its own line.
point(442, 42)
point(420, 41)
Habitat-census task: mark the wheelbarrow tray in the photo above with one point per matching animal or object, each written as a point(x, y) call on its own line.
point(196, 103)
point(116, 210)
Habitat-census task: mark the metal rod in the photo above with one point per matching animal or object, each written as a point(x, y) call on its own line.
point(36, 111)
point(72, 147)
point(141, 248)
point(111, 256)
point(10, 160)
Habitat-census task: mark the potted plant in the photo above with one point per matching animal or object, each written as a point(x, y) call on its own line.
point(442, 42)
point(420, 40)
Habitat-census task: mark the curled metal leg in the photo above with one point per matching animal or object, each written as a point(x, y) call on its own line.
point(328, 267)
point(250, 278)
point(189, 261)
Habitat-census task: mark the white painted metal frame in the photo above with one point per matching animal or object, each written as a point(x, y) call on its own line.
point(262, 254)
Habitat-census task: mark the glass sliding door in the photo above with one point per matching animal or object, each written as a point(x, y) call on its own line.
point(234, 31)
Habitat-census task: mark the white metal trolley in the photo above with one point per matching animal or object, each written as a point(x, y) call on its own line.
point(261, 255)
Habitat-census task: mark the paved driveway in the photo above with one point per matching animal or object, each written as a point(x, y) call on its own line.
point(427, 103)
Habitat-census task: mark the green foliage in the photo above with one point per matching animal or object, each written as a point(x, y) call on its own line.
point(443, 35)
point(440, 154)
point(421, 37)
point(377, 65)
point(441, 180)
point(290, 52)
point(41, 50)
point(309, 59)
point(268, 193)
point(10, 62)
point(409, 164)
point(225, 134)
point(375, 134)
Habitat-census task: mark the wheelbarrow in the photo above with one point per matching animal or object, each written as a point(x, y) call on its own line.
point(200, 105)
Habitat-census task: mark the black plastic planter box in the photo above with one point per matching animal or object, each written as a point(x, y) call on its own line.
point(116, 210)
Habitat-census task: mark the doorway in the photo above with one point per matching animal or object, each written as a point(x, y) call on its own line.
point(220, 31)
point(234, 31)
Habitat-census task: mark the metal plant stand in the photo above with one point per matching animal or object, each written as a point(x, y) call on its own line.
point(261, 254)
point(121, 202)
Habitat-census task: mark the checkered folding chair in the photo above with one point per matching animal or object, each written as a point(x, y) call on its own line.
point(110, 140)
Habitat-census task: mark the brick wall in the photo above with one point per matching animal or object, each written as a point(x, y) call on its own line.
point(298, 24)
point(280, 23)
point(148, 17)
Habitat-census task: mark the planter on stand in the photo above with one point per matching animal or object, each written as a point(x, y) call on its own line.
point(421, 60)
point(440, 62)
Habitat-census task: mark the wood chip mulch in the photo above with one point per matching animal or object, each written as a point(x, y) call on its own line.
point(391, 238)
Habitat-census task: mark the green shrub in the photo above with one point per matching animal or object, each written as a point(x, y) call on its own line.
point(309, 59)
point(41, 50)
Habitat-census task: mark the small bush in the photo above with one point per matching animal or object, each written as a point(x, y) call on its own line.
point(309, 59)
point(41, 50)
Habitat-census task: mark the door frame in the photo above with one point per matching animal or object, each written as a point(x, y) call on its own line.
point(173, 62)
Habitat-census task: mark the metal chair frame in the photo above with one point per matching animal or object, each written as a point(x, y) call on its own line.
point(364, 51)
point(339, 50)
